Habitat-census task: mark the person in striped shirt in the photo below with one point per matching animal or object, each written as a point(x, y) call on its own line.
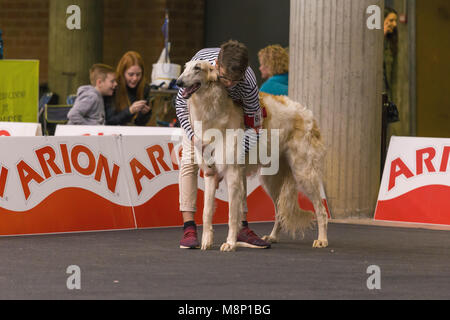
point(231, 61)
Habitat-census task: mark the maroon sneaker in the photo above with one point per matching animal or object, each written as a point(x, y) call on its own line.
point(189, 240)
point(247, 238)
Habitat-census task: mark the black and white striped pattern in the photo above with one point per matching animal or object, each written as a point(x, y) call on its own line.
point(246, 93)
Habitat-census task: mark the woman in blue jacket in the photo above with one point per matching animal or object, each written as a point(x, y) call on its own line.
point(274, 66)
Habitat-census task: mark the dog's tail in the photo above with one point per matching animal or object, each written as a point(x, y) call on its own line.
point(292, 218)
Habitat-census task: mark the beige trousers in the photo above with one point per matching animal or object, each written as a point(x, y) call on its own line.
point(188, 179)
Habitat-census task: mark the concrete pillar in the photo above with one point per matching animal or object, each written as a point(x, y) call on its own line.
point(72, 52)
point(336, 70)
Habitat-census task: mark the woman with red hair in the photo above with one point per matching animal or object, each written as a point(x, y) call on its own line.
point(129, 105)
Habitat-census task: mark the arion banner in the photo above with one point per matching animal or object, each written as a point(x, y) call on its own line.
point(20, 129)
point(415, 186)
point(19, 90)
point(50, 184)
point(103, 182)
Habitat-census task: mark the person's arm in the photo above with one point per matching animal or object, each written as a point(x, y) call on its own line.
point(250, 100)
point(143, 118)
point(114, 118)
point(82, 106)
point(183, 115)
point(252, 109)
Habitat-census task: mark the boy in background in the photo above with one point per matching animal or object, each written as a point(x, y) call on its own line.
point(89, 108)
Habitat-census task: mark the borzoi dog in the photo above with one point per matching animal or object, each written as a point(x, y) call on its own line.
point(301, 154)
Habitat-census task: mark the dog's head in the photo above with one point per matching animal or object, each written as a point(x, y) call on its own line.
point(195, 75)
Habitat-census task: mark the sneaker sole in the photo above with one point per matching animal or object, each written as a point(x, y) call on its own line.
point(252, 246)
point(184, 247)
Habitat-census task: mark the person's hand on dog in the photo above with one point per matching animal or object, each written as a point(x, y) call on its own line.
point(200, 145)
point(211, 171)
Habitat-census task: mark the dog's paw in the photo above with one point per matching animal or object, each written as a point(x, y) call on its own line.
point(269, 239)
point(320, 244)
point(206, 245)
point(207, 241)
point(227, 247)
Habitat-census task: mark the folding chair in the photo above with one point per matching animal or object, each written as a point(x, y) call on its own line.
point(71, 99)
point(45, 99)
point(55, 114)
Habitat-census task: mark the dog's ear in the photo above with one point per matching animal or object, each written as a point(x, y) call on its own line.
point(212, 74)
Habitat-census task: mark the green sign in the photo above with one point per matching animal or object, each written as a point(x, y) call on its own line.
point(19, 90)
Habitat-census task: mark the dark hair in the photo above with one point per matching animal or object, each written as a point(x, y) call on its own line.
point(392, 38)
point(388, 10)
point(233, 57)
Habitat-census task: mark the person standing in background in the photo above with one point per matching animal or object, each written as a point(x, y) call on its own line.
point(274, 68)
point(390, 49)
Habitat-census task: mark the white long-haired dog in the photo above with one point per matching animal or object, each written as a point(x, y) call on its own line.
point(300, 157)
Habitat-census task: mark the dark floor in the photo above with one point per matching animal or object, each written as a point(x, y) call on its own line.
point(147, 264)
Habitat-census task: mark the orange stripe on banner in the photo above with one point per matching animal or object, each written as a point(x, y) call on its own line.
point(428, 204)
point(76, 209)
point(67, 210)
point(163, 209)
point(3, 176)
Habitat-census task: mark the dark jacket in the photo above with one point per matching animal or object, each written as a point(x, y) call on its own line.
point(124, 117)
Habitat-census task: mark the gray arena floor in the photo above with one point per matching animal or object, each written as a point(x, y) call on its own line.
point(147, 264)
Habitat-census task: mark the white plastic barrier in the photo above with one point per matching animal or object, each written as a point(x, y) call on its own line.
point(20, 129)
point(415, 186)
point(85, 183)
point(75, 130)
point(103, 182)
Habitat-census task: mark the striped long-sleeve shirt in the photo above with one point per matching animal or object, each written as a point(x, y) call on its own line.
point(245, 93)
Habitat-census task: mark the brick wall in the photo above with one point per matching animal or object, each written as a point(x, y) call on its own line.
point(128, 25)
point(25, 31)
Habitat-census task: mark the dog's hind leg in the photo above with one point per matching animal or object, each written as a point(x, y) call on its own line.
point(208, 212)
point(235, 182)
point(272, 185)
point(309, 183)
point(305, 155)
point(322, 222)
point(313, 194)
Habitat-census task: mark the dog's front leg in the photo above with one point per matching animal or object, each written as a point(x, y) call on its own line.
point(208, 212)
point(235, 183)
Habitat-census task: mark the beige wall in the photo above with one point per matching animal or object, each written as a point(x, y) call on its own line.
point(127, 25)
point(433, 68)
